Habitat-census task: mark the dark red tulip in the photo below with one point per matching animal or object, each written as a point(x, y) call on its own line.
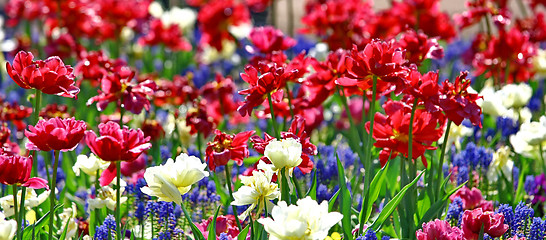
point(55, 134)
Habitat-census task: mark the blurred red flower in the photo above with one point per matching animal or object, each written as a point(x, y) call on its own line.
point(268, 39)
point(493, 224)
point(171, 36)
point(439, 230)
point(50, 76)
point(176, 92)
point(14, 113)
point(227, 147)
point(215, 18)
point(15, 170)
point(55, 134)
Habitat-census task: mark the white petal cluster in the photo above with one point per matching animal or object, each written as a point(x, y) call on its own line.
point(529, 138)
point(183, 17)
point(68, 218)
point(169, 181)
point(7, 228)
point(106, 197)
point(509, 101)
point(305, 221)
point(285, 153)
point(257, 190)
point(89, 165)
point(501, 164)
point(31, 200)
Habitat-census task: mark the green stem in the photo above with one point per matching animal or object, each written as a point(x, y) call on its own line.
point(265, 208)
point(228, 181)
point(118, 200)
point(35, 117)
point(199, 145)
point(22, 209)
point(442, 155)
point(285, 189)
point(273, 119)
point(52, 196)
point(410, 210)
point(18, 231)
point(541, 152)
point(97, 187)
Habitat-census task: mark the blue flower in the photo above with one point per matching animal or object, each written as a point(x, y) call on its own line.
point(108, 227)
point(537, 229)
point(370, 235)
point(522, 218)
point(530, 185)
point(508, 213)
point(455, 211)
point(507, 126)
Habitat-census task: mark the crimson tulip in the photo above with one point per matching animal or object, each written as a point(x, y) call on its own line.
point(15, 170)
point(227, 147)
point(473, 221)
point(50, 76)
point(55, 134)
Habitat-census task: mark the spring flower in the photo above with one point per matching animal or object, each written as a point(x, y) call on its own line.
point(174, 178)
point(89, 165)
point(106, 197)
point(31, 200)
point(439, 230)
point(493, 224)
point(256, 190)
point(305, 221)
point(472, 198)
point(459, 101)
point(16, 169)
point(224, 225)
point(285, 153)
point(216, 17)
point(227, 147)
point(169, 35)
point(55, 134)
point(50, 76)
point(528, 139)
point(502, 162)
point(515, 95)
point(68, 219)
point(14, 113)
point(456, 134)
point(116, 144)
point(419, 47)
point(268, 39)
point(118, 87)
point(7, 228)
point(391, 131)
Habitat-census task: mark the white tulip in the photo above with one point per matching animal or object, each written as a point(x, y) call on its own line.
point(305, 221)
point(68, 219)
point(257, 189)
point(285, 153)
point(501, 164)
point(89, 165)
point(515, 95)
point(169, 181)
point(7, 228)
point(106, 197)
point(31, 200)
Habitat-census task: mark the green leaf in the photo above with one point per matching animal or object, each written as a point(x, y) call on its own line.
point(197, 234)
point(438, 206)
point(313, 190)
point(242, 235)
point(30, 232)
point(345, 202)
point(372, 193)
point(332, 201)
point(392, 204)
point(212, 225)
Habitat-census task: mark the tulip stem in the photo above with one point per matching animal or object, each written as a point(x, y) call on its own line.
point(285, 191)
point(265, 208)
point(228, 181)
point(17, 232)
point(52, 196)
point(21, 216)
point(35, 117)
point(411, 174)
point(368, 165)
point(273, 119)
point(442, 155)
point(118, 200)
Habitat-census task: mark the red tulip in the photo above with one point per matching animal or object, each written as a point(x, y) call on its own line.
point(214, 19)
point(55, 134)
point(472, 198)
point(459, 104)
point(268, 39)
point(227, 147)
point(50, 76)
point(493, 224)
point(170, 36)
point(15, 113)
point(391, 131)
point(116, 144)
point(16, 169)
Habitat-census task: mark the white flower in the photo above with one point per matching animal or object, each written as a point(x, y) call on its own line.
point(539, 62)
point(490, 102)
point(257, 189)
point(534, 133)
point(501, 164)
point(169, 181)
point(31, 200)
point(7, 228)
point(89, 165)
point(515, 95)
point(210, 54)
point(240, 31)
point(306, 221)
point(69, 216)
point(456, 133)
point(106, 196)
point(285, 153)
point(183, 17)
point(155, 9)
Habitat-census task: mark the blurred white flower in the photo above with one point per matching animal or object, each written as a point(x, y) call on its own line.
point(106, 197)
point(169, 181)
point(515, 95)
point(240, 31)
point(456, 133)
point(7, 228)
point(155, 9)
point(490, 102)
point(183, 17)
point(31, 200)
point(305, 221)
point(210, 54)
point(68, 216)
point(501, 164)
point(256, 190)
point(539, 62)
point(89, 165)
point(529, 138)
